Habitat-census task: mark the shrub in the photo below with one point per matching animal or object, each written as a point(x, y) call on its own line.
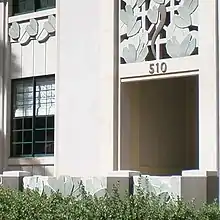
point(30, 205)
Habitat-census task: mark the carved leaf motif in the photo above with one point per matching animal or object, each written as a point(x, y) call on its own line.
point(140, 3)
point(135, 40)
point(187, 46)
point(131, 2)
point(129, 10)
point(25, 39)
point(127, 14)
point(32, 28)
point(14, 31)
point(195, 35)
point(143, 36)
point(129, 54)
point(172, 47)
point(159, 1)
point(183, 19)
point(52, 21)
point(136, 10)
point(123, 28)
point(124, 17)
point(39, 186)
point(191, 5)
point(133, 27)
point(142, 53)
point(179, 33)
point(153, 14)
point(49, 28)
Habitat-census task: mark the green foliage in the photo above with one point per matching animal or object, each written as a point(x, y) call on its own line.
point(30, 205)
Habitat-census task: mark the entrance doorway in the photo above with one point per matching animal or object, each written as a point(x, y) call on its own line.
point(159, 125)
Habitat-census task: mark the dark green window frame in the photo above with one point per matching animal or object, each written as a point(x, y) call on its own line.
point(27, 6)
point(32, 117)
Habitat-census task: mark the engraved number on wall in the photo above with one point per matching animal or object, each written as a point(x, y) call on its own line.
point(157, 68)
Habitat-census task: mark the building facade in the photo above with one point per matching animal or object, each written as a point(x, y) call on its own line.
point(88, 87)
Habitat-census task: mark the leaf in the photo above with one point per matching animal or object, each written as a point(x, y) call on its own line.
point(49, 28)
point(174, 31)
point(191, 5)
point(52, 21)
point(187, 46)
point(131, 2)
point(153, 14)
point(14, 31)
point(129, 54)
point(32, 28)
point(140, 3)
point(129, 10)
point(172, 47)
point(123, 28)
point(142, 53)
point(143, 35)
point(133, 27)
point(183, 19)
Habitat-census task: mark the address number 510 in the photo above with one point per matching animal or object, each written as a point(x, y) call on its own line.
point(157, 68)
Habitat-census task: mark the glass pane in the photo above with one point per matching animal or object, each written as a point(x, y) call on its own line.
point(27, 123)
point(40, 135)
point(41, 109)
point(17, 124)
point(42, 4)
point(45, 96)
point(39, 148)
point(27, 149)
point(17, 136)
point(50, 122)
point(22, 98)
point(19, 112)
point(51, 109)
point(29, 6)
point(40, 122)
point(50, 148)
point(28, 110)
point(16, 150)
point(27, 136)
point(50, 135)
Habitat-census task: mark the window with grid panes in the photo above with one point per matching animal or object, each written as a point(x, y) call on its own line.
point(25, 6)
point(33, 109)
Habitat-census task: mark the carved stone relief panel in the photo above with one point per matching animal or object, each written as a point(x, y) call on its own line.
point(33, 31)
point(158, 29)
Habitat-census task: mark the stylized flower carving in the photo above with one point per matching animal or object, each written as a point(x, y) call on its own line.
point(14, 31)
point(168, 21)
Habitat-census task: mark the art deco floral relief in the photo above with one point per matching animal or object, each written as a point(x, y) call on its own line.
point(158, 29)
point(32, 31)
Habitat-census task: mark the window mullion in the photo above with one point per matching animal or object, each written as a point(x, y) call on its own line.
point(33, 119)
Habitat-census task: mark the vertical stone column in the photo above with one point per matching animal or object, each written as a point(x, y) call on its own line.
point(2, 48)
point(207, 86)
point(14, 179)
point(201, 186)
point(86, 92)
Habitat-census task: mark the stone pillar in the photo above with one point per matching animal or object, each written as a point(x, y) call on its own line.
point(14, 179)
point(86, 88)
point(199, 185)
point(2, 46)
point(207, 86)
point(124, 179)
